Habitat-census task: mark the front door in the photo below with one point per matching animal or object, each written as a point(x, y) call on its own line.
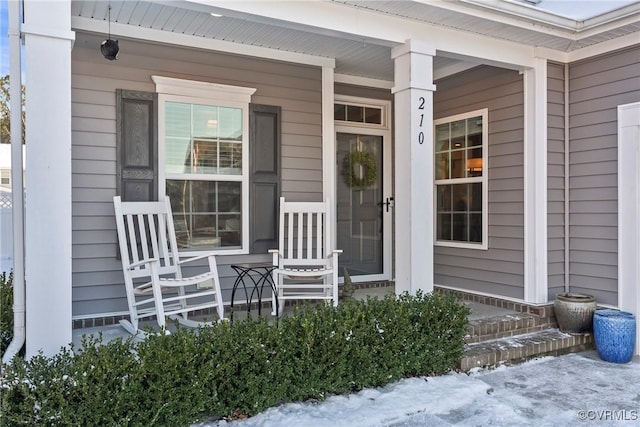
point(363, 211)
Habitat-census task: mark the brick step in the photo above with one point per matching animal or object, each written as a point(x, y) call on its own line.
point(518, 348)
point(492, 328)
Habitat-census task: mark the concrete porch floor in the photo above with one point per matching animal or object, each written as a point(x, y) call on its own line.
point(110, 332)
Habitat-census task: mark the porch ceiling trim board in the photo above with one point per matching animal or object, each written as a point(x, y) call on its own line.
point(160, 36)
point(363, 81)
point(451, 69)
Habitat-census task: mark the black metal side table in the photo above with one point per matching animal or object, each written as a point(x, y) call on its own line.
point(260, 275)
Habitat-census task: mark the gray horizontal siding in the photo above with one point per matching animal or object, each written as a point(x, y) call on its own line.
point(97, 276)
point(500, 269)
point(597, 86)
point(555, 180)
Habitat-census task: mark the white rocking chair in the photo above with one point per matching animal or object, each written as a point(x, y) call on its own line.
point(152, 268)
point(306, 264)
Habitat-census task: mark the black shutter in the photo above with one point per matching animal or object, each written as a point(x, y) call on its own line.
point(264, 176)
point(136, 145)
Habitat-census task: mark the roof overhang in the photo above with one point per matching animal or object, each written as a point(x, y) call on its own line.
point(356, 37)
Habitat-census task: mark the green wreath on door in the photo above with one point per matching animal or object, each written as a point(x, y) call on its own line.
point(350, 165)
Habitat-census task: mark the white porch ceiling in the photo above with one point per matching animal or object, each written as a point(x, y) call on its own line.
point(365, 56)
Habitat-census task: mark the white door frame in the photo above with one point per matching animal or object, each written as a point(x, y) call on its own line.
point(387, 173)
point(629, 211)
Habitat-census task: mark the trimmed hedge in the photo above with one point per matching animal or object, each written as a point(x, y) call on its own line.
point(6, 310)
point(241, 369)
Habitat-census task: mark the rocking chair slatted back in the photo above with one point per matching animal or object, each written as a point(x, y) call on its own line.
point(147, 222)
point(305, 241)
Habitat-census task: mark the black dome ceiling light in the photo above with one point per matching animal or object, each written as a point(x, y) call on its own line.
point(108, 47)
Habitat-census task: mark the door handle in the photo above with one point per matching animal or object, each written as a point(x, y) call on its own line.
point(387, 203)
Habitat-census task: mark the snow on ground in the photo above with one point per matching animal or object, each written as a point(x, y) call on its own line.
point(576, 389)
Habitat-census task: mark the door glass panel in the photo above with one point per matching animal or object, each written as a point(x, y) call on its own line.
point(359, 203)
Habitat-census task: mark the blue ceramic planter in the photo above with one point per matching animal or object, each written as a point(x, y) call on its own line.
point(615, 335)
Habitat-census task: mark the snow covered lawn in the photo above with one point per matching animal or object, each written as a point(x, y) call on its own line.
point(576, 389)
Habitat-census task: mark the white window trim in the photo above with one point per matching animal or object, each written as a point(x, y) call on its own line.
point(203, 93)
point(484, 180)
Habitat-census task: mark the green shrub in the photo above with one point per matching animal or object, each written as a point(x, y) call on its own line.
point(6, 310)
point(228, 370)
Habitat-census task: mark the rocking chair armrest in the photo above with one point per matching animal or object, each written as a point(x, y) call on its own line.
point(196, 258)
point(332, 257)
point(334, 253)
point(134, 265)
point(276, 254)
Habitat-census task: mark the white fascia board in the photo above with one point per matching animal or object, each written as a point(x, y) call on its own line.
point(589, 51)
point(612, 25)
point(620, 16)
point(530, 17)
point(511, 13)
point(604, 47)
point(160, 36)
point(376, 26)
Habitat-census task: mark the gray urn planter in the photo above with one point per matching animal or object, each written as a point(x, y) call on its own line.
point(574, 312)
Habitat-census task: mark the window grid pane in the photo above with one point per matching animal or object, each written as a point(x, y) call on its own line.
point(459, 155)
point(207, 141)
point(357, 114)
point(206, 213)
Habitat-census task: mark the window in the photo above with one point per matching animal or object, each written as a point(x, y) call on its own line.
point(203, 155)
point(461, 180)
point(358, 113)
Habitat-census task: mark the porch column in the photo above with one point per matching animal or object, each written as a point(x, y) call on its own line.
point(629, 212)
point(535, 183)
point(48, 43)
point(413, 95)
point(329, 148)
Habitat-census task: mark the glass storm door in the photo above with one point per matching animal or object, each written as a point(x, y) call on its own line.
point(360, 205)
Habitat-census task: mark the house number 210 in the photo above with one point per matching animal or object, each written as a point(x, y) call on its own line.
point(421, 107)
